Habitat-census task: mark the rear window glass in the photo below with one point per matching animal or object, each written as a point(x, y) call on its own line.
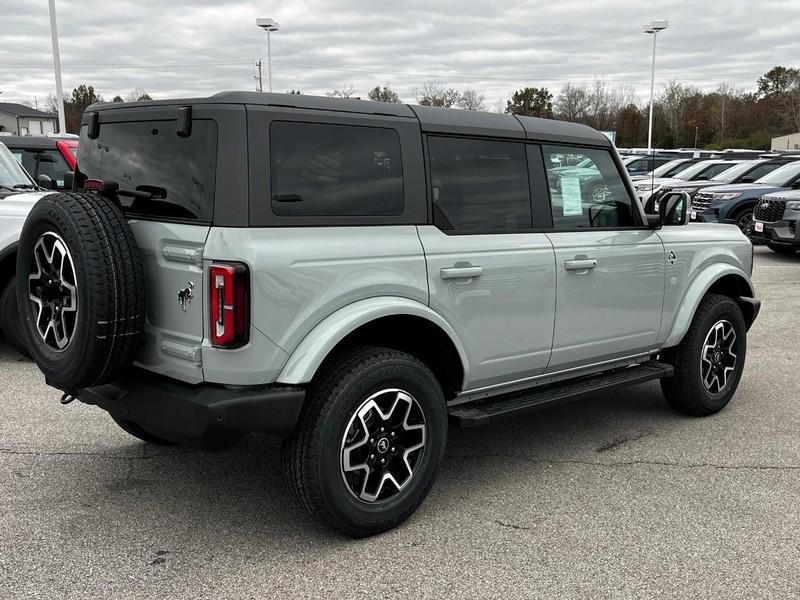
point(318, 169)
point(177, 172)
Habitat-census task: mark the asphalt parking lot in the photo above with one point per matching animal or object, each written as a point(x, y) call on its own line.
point(612, 497)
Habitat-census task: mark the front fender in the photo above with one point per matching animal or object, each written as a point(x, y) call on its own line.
point(317, 345)
point(694, 294)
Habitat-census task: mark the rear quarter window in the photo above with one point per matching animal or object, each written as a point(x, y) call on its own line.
point(326, 170)
point(150, 156)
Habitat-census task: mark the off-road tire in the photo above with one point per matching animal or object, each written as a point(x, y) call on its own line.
point(311, 456)
point(138, 432)
point(9, 319)
point(110, 289)
point(684, 391)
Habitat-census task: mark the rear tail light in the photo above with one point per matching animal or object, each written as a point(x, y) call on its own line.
point(229, 305)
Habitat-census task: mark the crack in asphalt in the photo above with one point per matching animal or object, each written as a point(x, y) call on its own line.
point(541, 461)
point(630, 463)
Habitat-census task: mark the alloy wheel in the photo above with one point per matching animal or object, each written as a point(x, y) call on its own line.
point(718, 358)
point(53, 289)
point(383, 445)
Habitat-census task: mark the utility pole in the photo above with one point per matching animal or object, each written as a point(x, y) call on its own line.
point(62, 126)
point(260, 82)
point(695, 136)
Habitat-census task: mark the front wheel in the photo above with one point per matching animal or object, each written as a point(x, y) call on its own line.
point(744, 220)
point(9, 320)
point(709, 361)
point(369, 446)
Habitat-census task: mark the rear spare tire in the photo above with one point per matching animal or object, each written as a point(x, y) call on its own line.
point(80, 290)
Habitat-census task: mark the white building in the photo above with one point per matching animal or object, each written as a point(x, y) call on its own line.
point(18, 119)
point(786, 142)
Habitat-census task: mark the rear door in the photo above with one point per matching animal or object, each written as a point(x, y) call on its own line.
point(168, 186)
point(491, 275)
point(610, 268)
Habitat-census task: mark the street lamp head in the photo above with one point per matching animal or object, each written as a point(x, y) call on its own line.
point(267, 24)
point(655, 26)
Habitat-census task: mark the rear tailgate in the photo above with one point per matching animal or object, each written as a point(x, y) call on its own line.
point(172, 254)
point(167, 177)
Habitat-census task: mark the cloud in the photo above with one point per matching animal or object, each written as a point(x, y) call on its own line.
point(194, 48)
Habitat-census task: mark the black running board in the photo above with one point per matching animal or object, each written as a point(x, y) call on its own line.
point(482, 412)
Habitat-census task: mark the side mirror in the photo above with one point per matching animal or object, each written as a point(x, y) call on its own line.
point(796, 185)
point(746, 179)
point(674, 207)
point(69, 180)
point(654, 221)
point(45, 182)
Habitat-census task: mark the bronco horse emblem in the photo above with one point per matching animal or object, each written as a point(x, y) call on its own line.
point(185, 295)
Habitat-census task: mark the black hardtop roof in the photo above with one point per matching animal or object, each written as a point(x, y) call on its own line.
point(431, 119)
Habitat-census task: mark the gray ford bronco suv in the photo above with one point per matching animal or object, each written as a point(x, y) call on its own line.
point(353, 275)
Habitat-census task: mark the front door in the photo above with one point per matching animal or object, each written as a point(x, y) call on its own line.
point(490, 276)
point(610, 268)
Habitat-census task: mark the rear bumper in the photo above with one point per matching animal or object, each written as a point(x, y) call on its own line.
point(184, 413)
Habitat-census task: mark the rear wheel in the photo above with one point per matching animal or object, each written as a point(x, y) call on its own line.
point(9, 319)
point(709, 361)
point(369, 445)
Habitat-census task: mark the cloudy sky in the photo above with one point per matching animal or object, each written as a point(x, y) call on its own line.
point(174, 48)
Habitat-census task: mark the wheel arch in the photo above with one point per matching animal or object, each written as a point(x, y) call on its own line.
point(717, 279)
point(391, 322)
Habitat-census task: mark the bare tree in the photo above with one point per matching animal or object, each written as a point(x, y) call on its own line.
point(673, 104)
point(572, 103)
point(343, 92)
point(471, 100)
point(433, 93)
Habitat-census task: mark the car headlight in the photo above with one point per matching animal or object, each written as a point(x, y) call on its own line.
point(730, 196)
point(647, 187)
point(689, 190)
point(793, 205)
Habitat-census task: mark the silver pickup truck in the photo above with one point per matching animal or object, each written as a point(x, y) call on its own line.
point(353, 275)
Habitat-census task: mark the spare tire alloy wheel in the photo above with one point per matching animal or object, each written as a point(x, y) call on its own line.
point(53, 288)
point(80, 290)
point(382, 445)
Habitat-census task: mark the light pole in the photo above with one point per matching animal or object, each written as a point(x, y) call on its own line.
point(62, 127)
point(268, 25)
point(653, 27)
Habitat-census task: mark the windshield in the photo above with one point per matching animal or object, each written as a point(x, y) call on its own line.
point(695, 169)
point(783, 176)
point(732, 174)
point(670, 168)
point(11, 173)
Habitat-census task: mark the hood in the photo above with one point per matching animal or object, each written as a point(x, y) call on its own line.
point(20, 204)
point(758, 189)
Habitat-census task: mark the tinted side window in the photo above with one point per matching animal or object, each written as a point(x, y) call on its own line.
point(479, 186)
point(590, 196)
point(150, 156)
point(317, 169)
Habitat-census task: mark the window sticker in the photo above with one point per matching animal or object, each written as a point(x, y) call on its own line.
point(571, 196)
